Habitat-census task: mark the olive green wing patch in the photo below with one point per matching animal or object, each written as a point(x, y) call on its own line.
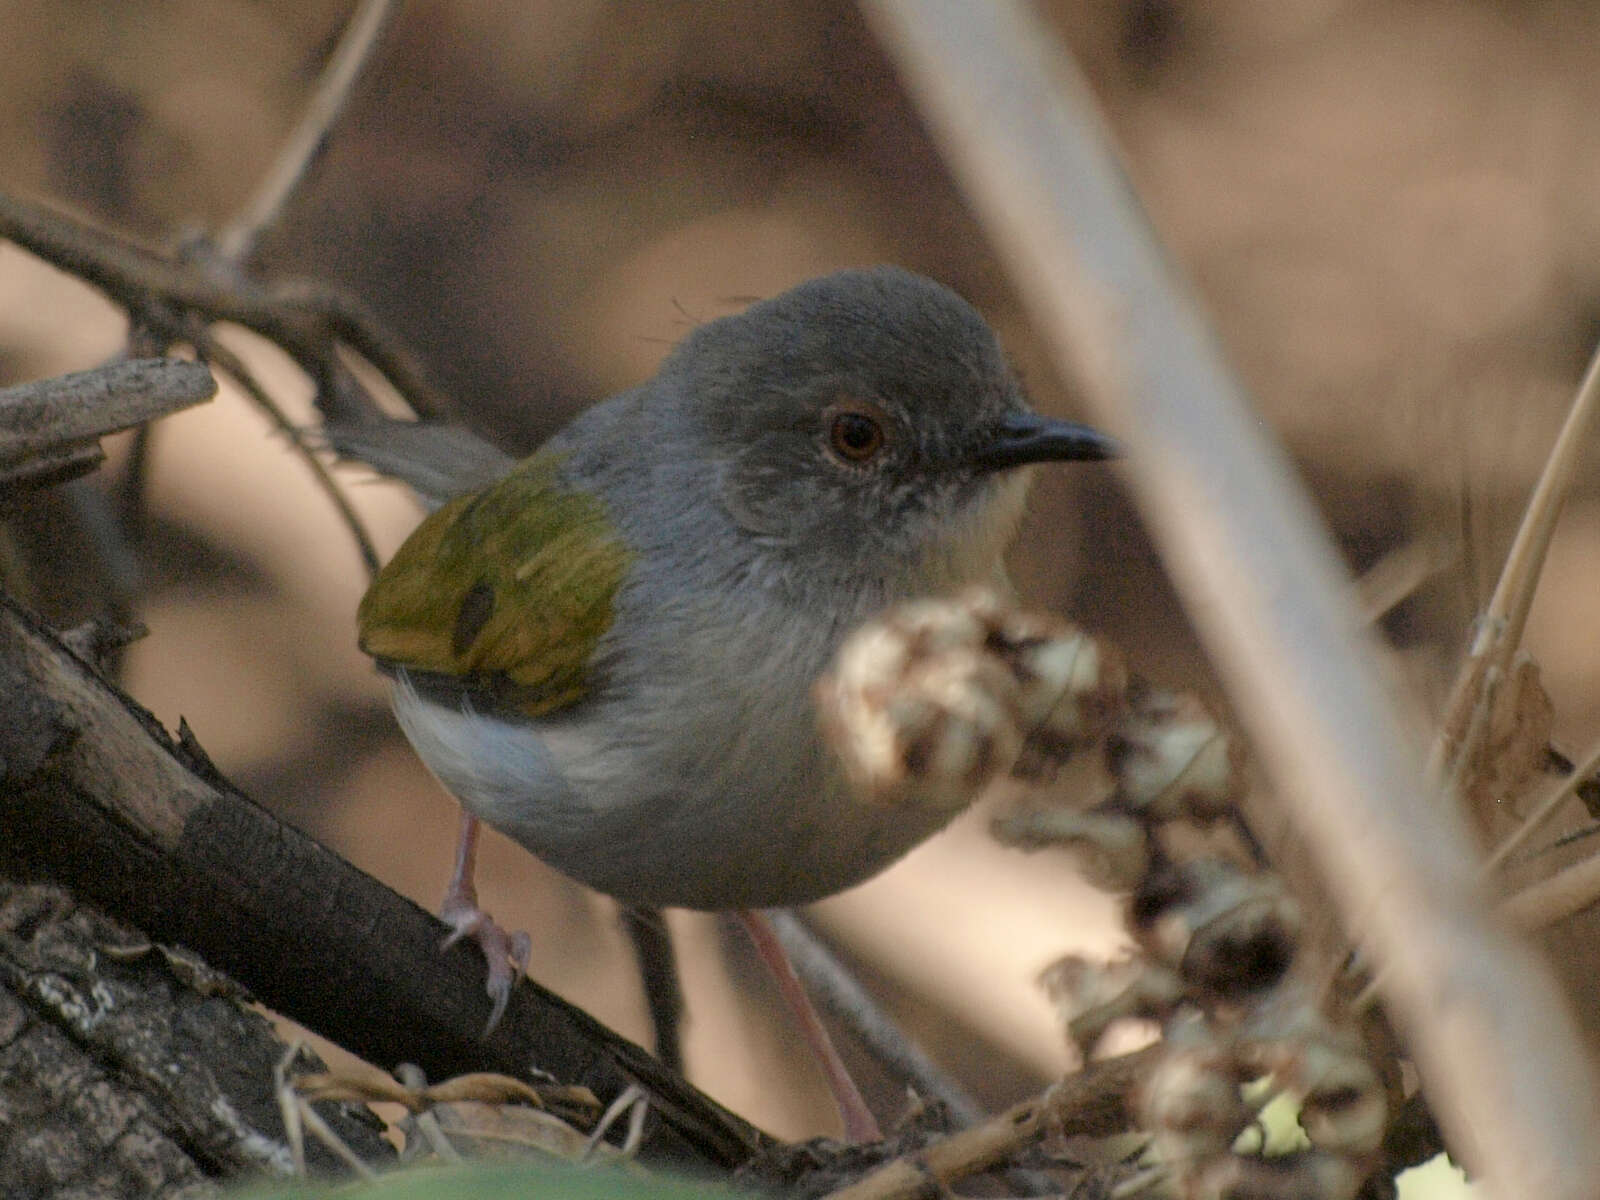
point(509, 589)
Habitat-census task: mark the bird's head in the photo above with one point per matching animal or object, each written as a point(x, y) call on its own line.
point(867, 423)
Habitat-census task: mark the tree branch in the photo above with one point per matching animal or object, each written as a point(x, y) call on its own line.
point(97, 797)
point(50, 429)
point(308, 320)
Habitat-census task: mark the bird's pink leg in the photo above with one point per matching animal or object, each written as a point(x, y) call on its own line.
point(859, 1123)
point(506, 953)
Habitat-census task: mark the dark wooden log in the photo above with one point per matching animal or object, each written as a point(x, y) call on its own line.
point(95, 794)
point(128, 1071)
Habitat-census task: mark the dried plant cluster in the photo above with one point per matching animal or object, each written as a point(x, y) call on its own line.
point(938, 699)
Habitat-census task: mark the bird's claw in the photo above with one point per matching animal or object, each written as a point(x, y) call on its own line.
point(505, 954)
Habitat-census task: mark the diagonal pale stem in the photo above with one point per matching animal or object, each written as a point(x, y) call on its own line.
point(1513, 595)
point(1499, 1052)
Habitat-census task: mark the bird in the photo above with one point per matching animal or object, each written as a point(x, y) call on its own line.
point(607, 650)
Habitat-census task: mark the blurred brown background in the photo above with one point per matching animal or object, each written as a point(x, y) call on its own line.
point(1391, 208)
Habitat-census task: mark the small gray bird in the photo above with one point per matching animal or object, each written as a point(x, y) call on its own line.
point(609, 652)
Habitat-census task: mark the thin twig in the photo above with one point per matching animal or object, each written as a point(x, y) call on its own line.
point(1545, 808)
point(306, 319)
point(859, 1123)
point(47, 413)
point(356, 44)
point(1396, 576)
point(289, 1110)
point(1093, 1102)
point(334, 1143)
point(1501, 626)
point(1537, 905)
point(1568, 891)
point(842, 995)
point(50, 429)
point(1497, 1048)
point(227, 361)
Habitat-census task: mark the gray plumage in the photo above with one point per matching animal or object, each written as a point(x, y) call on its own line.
point(692, 773)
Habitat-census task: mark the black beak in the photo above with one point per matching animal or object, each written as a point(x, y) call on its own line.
point(1025, 437)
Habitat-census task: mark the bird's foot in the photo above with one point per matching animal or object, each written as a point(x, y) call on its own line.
point(506, 954)
point(632, 1103)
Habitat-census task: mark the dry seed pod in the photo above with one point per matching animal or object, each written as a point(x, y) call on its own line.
point(917, 709)
point(1089, 996)
point(1304, 1175)
point(1172, 759)
point(1228, 934)
point(1112, 848)
point(1190, 1103)
point(1072, 686)
point(932, 700)
point(1344, 1111)
point(1341, 1101)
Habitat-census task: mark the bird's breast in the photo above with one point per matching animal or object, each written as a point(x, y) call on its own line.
point(695, 777)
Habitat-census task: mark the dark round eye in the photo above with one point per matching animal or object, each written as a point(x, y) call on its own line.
point(855, 436)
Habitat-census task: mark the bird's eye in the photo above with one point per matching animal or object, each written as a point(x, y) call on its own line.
point(854, 434)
